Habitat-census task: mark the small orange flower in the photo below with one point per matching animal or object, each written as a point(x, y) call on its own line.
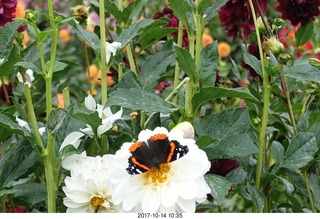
point(20, 9)
point(64, 35)
point(60, 100)
point(207, 38)
point(224, 49)
point(95, 76)
point(26, 38)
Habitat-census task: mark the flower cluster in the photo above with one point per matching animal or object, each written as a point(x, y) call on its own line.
point(132, 181)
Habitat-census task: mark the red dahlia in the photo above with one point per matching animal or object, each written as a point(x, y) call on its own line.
point(299, 11)
point(7, 10)
point(236, 16)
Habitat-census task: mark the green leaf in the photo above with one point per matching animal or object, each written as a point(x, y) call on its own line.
point(128, 81)
point(154, 35)
point(132, 11)
point(81, 113)
point(58, 66)
point(203, 5)
point(296, 206)
point(211, 93)
point(33, 192)
point(253, 62)
point(256, 197)
point(186, 63)
point(16, 162)
point(139, 28)
point(304, 33)
point(89, 38)
point(153, 67)
point(136, 99)
point(43, 35)
point(29, 65)
point(55, 120)
point(237, 176)
point(182, 10)
point(226, 123)
point(112, 8)
point(209, 58)
point(219, 186)
point(213, 10)
point(7, 34)
point(314, 181)
point(9, 66)
point(301, 150)
point(288, 185)
point(232, 146)
point(303, 72)
point(7, 123)
point(277, 151)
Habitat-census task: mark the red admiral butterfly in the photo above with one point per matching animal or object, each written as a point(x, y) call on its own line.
point(157, 150)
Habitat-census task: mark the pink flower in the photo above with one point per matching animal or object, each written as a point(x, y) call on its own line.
point(7, 10)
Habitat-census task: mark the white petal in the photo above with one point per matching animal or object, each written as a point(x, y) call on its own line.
point(150, 200)
point(1, 60)
point(73, 138)
point(88, 131)
point(107, 123)
point(73, 160)
point(90, 103)
point(169, 194)
point(188, 189)
point(42, 130)
point(23, 124)
point(187, 206)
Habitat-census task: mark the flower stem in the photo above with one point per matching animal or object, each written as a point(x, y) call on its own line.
point(306, 181)
point(289, 105)
point(120, 71)
point(131, 59)
point(305, 104)
point(198, 41)
point(266, 100)
point(188, 98)
point(103, 64)
point(66, 96)
point(177, 68)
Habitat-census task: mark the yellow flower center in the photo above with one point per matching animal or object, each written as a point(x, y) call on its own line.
point(157, 176)
point(96, 203)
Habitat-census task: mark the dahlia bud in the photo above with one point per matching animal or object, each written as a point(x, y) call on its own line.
point(185, 128)
point(31, 15)
point(273, 45)
point(261, 25)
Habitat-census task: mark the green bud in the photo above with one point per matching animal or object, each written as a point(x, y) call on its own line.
point(284, 58)
point(58, 19)
point(261, 25)
point(273, 45)
point(314, 62)
point(31, 15)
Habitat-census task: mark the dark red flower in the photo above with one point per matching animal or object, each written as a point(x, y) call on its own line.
point(3, 89)
point(7, 10)
point(173, 22)
point(223, 166)
point(299, 11)
point(236, 17)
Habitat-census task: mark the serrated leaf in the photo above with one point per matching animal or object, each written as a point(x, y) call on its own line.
point(33, 192)
point(89, 38)
point(232, 146)
point(300, 151)
point(303, 72)
point(304, 33)
point(58, 66)
point(8, 66)
point(209, 58)
point(212, 93)
point(228, 122)
point(154, 35)
point(136, 99)
point(277, 151)
point(256, 197)
point(219, 186)
point(28, 65)
point(8, 33)
point(186, 63)
point(181, 9)
point(16, 162)
point(253, 62)
point(213, 10)
point(153, 67)
point(7, 123)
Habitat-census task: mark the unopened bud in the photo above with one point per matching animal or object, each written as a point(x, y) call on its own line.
point(273, 45)
point(261, 25)
point(185, 128)
point(31, 15)
point(314, 62)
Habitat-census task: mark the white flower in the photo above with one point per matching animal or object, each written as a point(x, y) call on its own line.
point(174, 186)
point(108, 118)
point(111, 48)
point(72, 139)
point(88, 189)
point(23, 124)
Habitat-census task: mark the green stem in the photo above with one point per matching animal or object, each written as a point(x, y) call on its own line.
point(306, 181)
point(48, 80)
point(104, 93)
point(33, 120)
point(188, 98)
point(120, 71)
point(66, 96)
point(142, 119)
point(131, 59)
point(191, 44)
point(120, 6)
point(86, 57)
point(104, 145)
point(289, 106)
point(305, 104)
point(198, 41)
point(177, 68)
point(49, 161)
point(266, 100)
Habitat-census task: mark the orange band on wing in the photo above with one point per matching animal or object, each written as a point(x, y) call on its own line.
point(139, 164)
point(173, 147)
point(158, 137)
point(134, 146)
